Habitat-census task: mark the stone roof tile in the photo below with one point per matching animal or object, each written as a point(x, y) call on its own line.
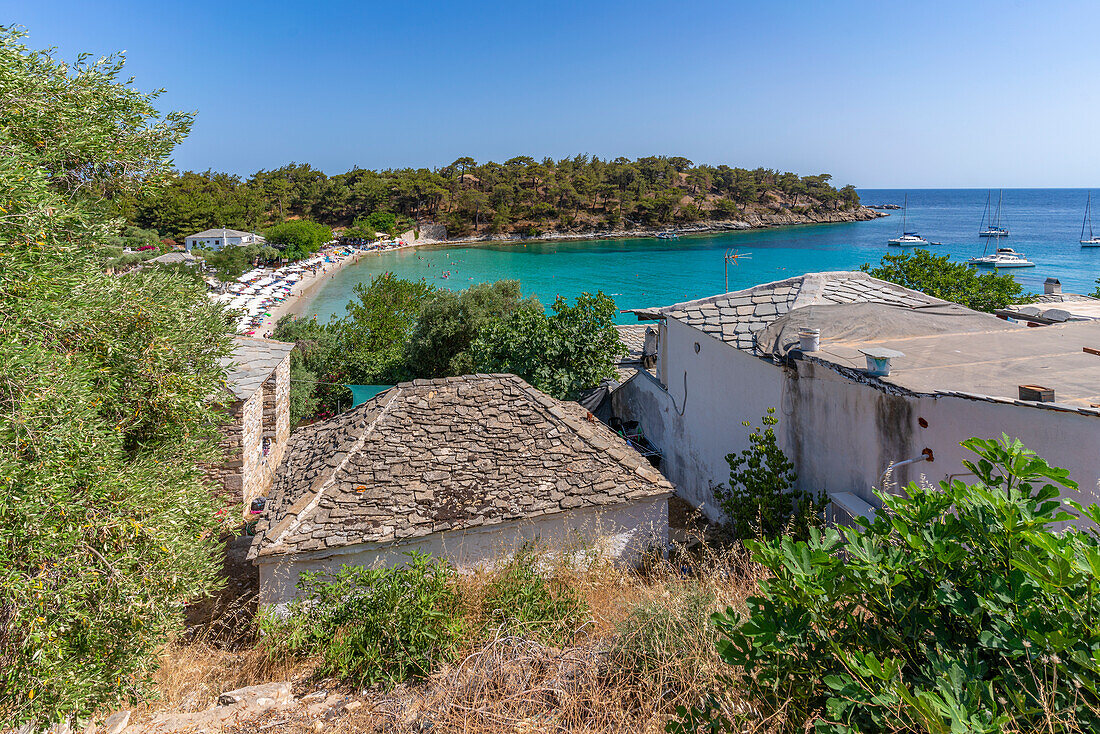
point(252, 363)
point(735, 317)
point(430, 455)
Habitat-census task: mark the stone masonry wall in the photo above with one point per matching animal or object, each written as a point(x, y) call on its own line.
point(227, 475)
point(251, 447)
point(276, 429)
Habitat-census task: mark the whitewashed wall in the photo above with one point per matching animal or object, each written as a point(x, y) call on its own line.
point(724, 387)
point(621, 532)
point(840, 434)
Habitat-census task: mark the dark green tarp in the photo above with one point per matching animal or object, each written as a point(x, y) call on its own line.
point(362, 393)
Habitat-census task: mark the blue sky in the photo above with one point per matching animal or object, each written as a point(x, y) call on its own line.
point(880, 94)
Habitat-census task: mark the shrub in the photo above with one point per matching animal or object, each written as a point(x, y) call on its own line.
point(957, 609)
point(526, 602)
point(937, 276)
point(574, 348)
point(761, 500)
point(371, 625)
point(107, 524)
point(448, 323)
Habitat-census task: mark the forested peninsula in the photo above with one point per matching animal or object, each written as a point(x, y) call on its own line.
point(522, 197)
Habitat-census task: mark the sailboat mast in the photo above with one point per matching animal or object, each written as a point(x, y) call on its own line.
point(985, 214)
point(1088, 217)
point(997, 216)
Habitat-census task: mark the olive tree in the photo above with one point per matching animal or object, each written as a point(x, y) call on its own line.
point(106, 522)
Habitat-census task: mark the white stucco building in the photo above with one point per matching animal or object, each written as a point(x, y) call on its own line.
point(465, 468)
point(216, 239)
point(727, 359)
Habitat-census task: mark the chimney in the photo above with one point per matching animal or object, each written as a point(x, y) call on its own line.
point(1052, 286)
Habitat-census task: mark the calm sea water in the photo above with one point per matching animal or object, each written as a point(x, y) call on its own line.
point(1044, 225)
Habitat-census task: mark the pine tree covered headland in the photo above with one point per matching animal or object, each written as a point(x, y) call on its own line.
point(520, 196)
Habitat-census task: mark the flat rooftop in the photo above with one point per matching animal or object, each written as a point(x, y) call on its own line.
point(950, 350)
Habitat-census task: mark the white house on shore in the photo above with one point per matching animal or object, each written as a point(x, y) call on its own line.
point(465, 468)
point(952, 374)
point(216, 239)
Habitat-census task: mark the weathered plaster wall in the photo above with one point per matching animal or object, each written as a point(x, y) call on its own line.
point(841, 434)
point(715, 389)
point(623, 532)
point(856, 431)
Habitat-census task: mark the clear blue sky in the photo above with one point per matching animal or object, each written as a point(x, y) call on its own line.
point(880, 94)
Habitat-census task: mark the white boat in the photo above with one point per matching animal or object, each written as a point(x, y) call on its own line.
point(992, 226)
point(907, 239)
point(1004, 257)
point(1093, 240)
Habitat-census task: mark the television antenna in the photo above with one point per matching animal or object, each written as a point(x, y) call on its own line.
point(731, 257)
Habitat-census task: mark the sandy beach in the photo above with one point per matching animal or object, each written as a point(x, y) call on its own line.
point(305, 289)
point(303, 292)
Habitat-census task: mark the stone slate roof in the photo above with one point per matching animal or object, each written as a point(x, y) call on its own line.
point(219, 233)
point(633, 336)
point(252, 363)
point(736, 317)
point(434, 455)
point(1059, 298)
point(170, 258)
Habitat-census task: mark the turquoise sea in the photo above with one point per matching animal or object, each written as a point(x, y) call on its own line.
point(1044, 224)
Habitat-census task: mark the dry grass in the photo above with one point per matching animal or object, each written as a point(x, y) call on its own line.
point(642, 650)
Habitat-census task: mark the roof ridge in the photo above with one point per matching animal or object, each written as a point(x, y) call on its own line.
point(293, 519)
point(711, 299)
point(548, 403)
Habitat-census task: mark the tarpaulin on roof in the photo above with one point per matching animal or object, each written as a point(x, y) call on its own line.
point(362, 393)
point(873, 322)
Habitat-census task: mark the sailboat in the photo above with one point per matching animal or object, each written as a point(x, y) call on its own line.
point(994, 227)
point(907, 239)
point(1004, 257)
point(1093, 240)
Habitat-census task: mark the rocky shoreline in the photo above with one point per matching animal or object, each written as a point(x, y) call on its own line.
point(752, 220)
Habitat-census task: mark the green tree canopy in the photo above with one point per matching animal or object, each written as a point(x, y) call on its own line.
point(939, 277)
point(449, 322)
point(572, 349)
point(298, 239)
point(106, 521)
point(518, 196)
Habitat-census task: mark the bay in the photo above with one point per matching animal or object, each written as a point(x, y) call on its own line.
point(1044, 224)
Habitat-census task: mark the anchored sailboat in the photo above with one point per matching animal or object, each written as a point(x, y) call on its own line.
point(1004, 257)
point(994, 228)
point(907, 239)
point(1093, 240)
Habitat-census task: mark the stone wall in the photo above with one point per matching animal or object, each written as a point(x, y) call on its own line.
point(275, 431)
point(252, 466)
point(255, 439)
point(227, 475)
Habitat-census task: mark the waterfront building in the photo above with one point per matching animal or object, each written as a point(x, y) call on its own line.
point(468, 469)
point(873, 384)
point(216, 239)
